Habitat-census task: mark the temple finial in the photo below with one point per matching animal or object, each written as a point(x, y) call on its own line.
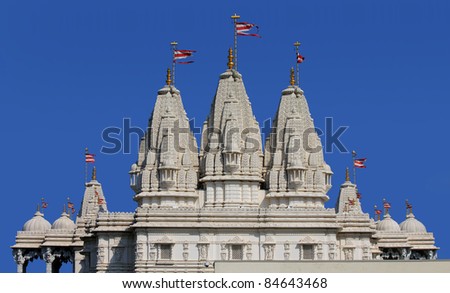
point(347, 174)
point(94, 173)
point(64, 209)
point(168, 77)
point(235, 16)
point(230, 59)
point(292, 82)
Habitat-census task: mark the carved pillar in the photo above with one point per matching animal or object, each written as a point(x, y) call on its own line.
point(20, 260)
point(49, 258)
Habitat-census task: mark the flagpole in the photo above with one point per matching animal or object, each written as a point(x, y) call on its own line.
point(86, 151)
point(354, 168)
point(297, 44)
point(174, 47)
point(235, 17)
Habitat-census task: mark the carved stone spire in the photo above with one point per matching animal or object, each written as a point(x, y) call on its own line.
point(348, 201)
point(231, 156)
point(165, 173)
point(297, 174)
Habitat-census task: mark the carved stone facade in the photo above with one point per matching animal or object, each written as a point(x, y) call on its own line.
point(227, 202)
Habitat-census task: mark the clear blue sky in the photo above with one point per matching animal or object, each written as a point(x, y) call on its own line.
point(69, 70)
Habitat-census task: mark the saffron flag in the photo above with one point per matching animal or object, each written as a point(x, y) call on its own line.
point(89, 158)
point(243, 28)
point(300, 58)
point(359, 163)
point(378, 212)
point(182, 54)
point(70, 205)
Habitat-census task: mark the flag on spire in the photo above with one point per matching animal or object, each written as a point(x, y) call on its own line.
point(386, 205)
point(300, 58)
point(243, 28)
point(408, 205)
point(182, 54)
point(70, 206)
point(44, 204)
point(359, 163)
point(89, 158)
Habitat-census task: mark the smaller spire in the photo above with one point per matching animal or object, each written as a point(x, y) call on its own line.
point(230, 63)
point(168, 77)
point(347, 175)
point(94, 173)
point(292, 82)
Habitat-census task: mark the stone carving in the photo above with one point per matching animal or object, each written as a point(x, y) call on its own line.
point(348, 253)
point(286, 245)
point(269, 250)
point(203, 251)
point(101, 254)
point(139, 251)
point(223, 256)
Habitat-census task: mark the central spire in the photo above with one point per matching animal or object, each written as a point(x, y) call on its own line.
point(231, 155)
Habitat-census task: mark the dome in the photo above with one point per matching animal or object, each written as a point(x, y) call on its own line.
point(37, 224)
point(388, 225)
point(134, 167)
point(63, 223)
point(412, 225)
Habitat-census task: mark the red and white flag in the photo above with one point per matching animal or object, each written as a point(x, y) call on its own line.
point(90, 158)
point(300, 58)
point(44, 204)
point(386, 205)
point(243, 28)
point(182, 54)
point(378, 212)
point(359, 163)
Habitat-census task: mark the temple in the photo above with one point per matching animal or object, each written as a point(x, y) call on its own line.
point(228, 199)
